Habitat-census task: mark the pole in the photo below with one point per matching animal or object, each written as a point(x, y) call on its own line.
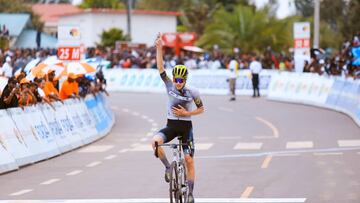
point(316, 23)
point(129, 11)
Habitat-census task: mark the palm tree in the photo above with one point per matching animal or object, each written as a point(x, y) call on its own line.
point(248, 29)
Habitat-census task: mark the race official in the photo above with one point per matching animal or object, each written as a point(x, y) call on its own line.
point(255, 68)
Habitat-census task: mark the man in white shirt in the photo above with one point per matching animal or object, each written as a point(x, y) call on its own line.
point(7, 69)
point(255, 68)
point(233, 68)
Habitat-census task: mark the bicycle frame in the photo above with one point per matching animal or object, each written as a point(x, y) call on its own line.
point(180, 167)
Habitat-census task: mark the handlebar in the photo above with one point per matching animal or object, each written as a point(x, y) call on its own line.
point(174, 146)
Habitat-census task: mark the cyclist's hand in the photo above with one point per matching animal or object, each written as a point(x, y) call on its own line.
point(158, 41)
point(181, 111)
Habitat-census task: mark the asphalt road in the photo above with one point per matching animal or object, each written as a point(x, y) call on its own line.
point(250, 150)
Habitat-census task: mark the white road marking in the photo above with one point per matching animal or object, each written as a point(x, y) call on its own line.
point(288, 154)
point(144, 117)
point(327, 153)
point(112, 156)
point(142, 148)
point(150, 134)
point(349, 143)
point(95, 163)
point(21, 192)
point(203, 146)
point(150, 120)
point(154, 124)
point(248, 146)
point(225, 109)
point(275, 131)
point(125, 110)
point(143, 139)
point(299, 145)
point(72, 173)
point(123, 150)
point(51, 181)
point(161, 200)
point(135, 113)
point(96, 148)
point(230, 137)
point(153, 129)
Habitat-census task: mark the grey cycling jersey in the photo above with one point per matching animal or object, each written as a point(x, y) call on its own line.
point(183, 97)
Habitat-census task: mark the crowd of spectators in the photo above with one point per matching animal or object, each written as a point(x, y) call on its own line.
point(20, 91)
point(321, 62)
point(45, 87)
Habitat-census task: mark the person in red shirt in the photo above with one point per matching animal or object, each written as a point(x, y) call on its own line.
point(69, 88)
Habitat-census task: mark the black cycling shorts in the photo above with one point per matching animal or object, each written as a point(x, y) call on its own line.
point(179, 128)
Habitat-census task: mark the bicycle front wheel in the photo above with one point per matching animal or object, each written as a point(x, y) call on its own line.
point(174, 184)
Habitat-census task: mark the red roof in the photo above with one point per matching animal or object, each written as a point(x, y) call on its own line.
point(51, 12)
point(116, 11)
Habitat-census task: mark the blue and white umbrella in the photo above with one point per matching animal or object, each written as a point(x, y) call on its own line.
point(97, 62)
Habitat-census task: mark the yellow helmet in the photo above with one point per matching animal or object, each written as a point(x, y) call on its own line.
point(180, 71)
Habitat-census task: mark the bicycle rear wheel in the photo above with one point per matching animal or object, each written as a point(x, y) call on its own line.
point(174, 190)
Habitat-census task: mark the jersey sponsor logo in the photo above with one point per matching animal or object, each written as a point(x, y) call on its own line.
point(179, 97)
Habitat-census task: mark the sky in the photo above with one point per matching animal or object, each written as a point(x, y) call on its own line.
point(286, 7)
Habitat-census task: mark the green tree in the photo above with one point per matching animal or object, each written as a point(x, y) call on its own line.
point(160, 5)
point(114, 4)
point(248, 29)
point(305, 8)
point(108, 38)
point(339, 18)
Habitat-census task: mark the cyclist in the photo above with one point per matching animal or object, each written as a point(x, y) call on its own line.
point(179, 115)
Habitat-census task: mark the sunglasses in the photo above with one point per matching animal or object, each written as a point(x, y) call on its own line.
point(179, 80)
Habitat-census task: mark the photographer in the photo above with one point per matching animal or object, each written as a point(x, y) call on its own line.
point(9, 97)
point(26, 97)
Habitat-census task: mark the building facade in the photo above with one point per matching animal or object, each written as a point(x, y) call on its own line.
point(144, 24)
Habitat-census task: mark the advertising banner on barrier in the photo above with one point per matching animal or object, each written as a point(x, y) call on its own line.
point(85, 128)
point(72, 136)
point(7, 162)
point(56, 128)
point(35, 144)
point(41, 130)
point(38, 132)
point(213, 82)
point(101, 119)
point(12, 141)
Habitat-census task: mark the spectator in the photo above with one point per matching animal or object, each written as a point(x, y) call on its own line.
point(70, 88)
point(86, 86)
point(26, 97)
point(233, 68)
point(7, 69)
point(9, 96)
point(49, 89)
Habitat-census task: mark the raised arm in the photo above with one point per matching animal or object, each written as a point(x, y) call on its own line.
point(159, 54)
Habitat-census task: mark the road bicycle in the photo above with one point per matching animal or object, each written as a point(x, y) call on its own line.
point(178, 187)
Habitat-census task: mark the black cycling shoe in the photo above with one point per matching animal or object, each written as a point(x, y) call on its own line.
point(190, 198)
point(167, 175)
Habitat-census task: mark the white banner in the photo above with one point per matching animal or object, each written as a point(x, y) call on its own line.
point(213, 82)
point(12, 141)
